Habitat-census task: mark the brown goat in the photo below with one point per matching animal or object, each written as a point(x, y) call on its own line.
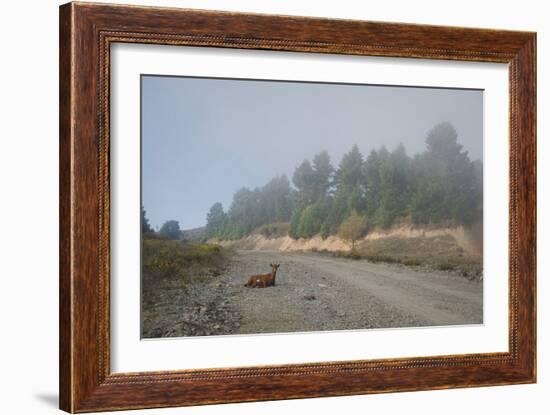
point(263, 280)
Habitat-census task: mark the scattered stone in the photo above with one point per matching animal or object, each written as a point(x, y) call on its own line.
point(306, 298)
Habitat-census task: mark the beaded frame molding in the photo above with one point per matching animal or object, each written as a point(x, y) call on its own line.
point(86, 33)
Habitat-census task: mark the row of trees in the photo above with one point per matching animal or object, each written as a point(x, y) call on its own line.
point(439, 185)
point(169, 229)
point(251, 208)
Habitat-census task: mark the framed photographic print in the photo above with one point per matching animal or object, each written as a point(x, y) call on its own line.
point(259, 207)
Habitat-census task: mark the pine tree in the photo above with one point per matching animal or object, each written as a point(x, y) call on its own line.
point(145, 226)
point(215, 220)
point(447, 188)
point(322, 175)
point(304, 180)
point(349, 193)
point(170, 230)
point(394, 200)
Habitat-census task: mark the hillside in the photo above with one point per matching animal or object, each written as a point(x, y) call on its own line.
point(195, 234)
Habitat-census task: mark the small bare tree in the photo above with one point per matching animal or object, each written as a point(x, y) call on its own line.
point(352, 228)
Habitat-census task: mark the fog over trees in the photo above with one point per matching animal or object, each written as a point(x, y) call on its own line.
point(439, 186)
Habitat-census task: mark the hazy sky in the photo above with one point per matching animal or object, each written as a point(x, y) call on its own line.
point(203, 139)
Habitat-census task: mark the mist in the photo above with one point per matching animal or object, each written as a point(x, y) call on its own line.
point(203, 139)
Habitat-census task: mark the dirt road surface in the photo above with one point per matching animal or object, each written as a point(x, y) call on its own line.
point(315, 292)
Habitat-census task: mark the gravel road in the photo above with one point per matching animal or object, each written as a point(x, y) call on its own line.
point(315, 292)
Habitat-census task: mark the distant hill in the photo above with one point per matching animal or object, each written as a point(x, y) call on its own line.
point(195, 234)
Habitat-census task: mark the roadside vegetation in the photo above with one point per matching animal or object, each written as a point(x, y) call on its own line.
point(173, 272)
point(169, 262)
point(437, 253)
point(182, 261)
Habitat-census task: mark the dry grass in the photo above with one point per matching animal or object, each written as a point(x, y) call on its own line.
point(440, 253)
point(167, 262)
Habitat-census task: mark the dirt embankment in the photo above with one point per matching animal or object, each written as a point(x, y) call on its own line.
point(468, 240)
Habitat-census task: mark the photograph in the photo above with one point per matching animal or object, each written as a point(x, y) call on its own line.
point(276, 206)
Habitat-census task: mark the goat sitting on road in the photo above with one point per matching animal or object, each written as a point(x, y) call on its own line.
point(263, 280)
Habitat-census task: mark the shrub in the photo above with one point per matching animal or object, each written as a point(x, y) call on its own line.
point(445, 266)
point(167, 259)
point(352, 229)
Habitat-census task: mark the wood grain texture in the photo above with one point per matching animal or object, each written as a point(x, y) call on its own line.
point(86, 33)
point(65, 247)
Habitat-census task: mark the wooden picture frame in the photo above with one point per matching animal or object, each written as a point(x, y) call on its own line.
point(86, 33)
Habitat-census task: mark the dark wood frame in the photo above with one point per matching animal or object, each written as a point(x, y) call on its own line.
point(86, 33)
